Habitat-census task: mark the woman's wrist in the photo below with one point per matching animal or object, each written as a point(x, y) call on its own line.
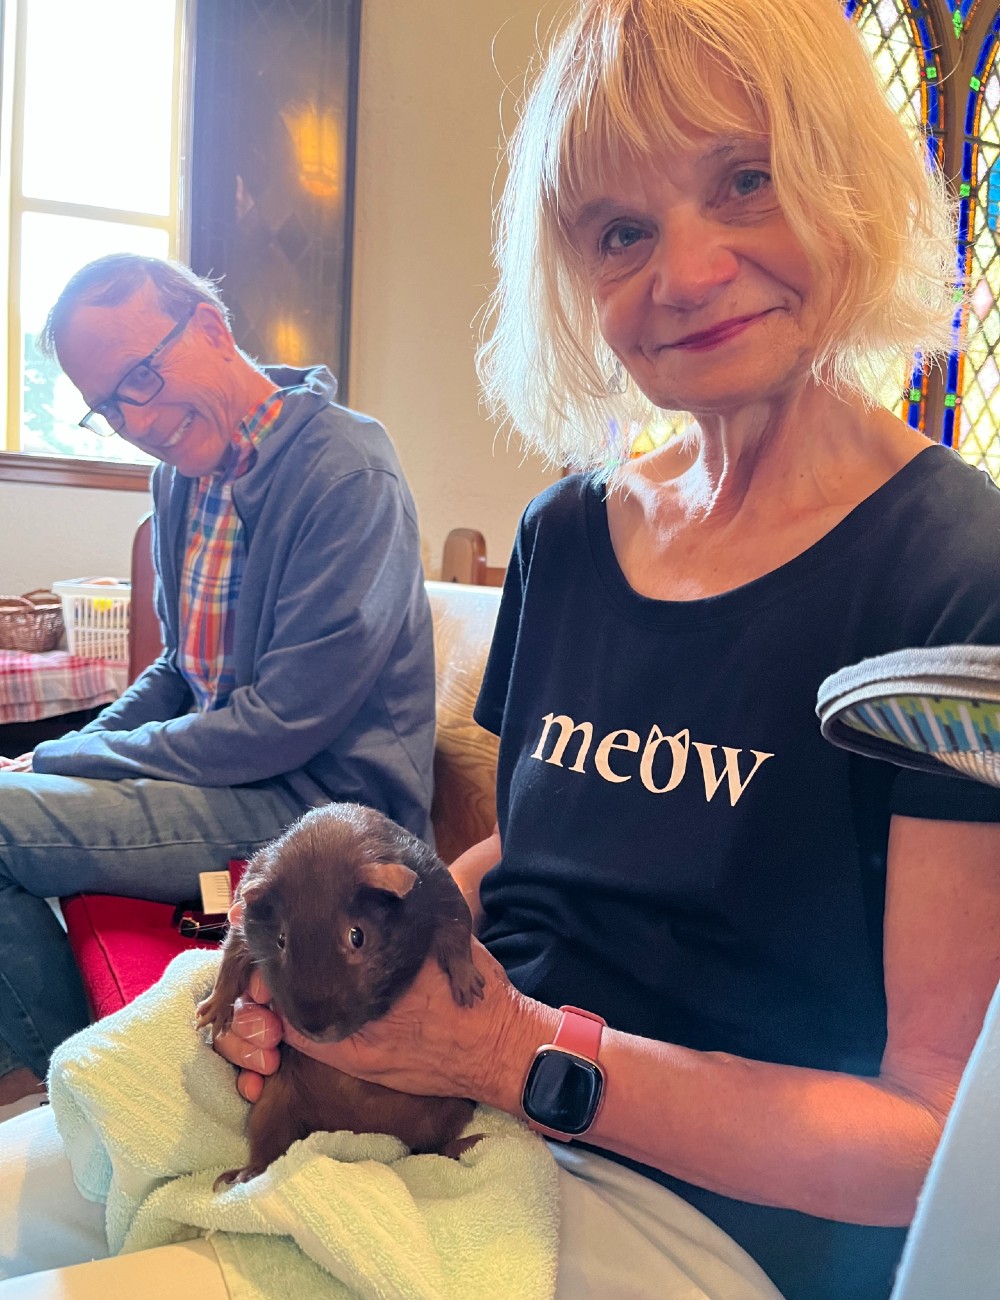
point(520, 1026)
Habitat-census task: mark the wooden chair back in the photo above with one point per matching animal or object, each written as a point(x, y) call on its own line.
point(464, 560)
point(465, 756)
point(145, 640)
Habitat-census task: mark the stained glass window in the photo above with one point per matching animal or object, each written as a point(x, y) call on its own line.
point(925, 49)
point(887, 29)
point(900, 39)
point(962, 8)
point(972, 411)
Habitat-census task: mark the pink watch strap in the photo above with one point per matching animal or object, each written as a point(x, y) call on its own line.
point(579, 1032)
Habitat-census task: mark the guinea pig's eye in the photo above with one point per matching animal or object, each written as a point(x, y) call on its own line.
point(280, 940)
point(356, 936)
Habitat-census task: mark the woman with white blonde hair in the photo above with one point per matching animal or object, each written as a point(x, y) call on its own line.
point(711, 209)
point(770, 957)
point(633, 83)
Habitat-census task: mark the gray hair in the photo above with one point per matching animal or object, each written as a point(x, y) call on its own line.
point(111, 280)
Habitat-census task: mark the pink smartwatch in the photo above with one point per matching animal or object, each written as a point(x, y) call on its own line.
point(562, 1093)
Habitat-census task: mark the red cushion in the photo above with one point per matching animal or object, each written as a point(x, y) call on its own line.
point(122, 945)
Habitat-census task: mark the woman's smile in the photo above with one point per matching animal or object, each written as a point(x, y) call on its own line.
point(715, 335)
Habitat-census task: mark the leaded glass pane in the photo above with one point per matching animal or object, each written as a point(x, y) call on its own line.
point(978, 436)
point(887, 30)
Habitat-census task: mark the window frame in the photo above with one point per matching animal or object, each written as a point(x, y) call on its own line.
point(16, 465)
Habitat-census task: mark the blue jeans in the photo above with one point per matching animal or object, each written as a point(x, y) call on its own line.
point(143, 839)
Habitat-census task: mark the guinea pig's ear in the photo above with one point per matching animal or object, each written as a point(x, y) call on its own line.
point(248, 892)
point(390, 877)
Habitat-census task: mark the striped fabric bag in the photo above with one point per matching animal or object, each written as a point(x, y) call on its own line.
point(920, 708)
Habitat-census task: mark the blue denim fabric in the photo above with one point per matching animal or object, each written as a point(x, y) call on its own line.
point(143, 839)
point(8, 1061)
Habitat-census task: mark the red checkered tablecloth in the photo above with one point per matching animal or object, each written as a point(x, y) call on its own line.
point(45, 685)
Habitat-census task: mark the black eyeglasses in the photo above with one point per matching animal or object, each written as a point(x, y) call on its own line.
point(137, 387)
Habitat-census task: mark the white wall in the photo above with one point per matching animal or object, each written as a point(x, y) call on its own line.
point(428, 131)
point(47, 533)
point(429, 124)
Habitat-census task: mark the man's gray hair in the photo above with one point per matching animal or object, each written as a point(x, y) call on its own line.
point(111, 280)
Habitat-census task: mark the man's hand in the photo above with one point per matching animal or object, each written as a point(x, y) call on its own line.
point(22, 764)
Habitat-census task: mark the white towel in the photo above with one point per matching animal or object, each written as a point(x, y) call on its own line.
point(150, 1116)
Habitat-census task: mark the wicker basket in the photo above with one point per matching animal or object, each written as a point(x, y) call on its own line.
point(33, 622)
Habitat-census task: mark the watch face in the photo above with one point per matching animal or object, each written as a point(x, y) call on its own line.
point(562, 1092)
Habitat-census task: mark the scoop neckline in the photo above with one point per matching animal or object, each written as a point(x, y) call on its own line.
point(739, 601)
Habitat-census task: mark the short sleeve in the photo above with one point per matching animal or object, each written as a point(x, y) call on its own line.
point(943, 797)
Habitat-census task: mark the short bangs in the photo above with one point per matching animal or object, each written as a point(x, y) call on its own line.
point(628, 78)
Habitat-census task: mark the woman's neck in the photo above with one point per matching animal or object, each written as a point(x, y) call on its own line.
point(737, 497)
point(811, 453)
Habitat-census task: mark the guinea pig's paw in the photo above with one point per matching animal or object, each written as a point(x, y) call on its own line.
point(458, 1146)
point(454, 956)
point(233, 1176)
point(213, 1013)
point(466, 985)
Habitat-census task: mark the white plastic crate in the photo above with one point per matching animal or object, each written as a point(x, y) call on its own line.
point(96, 613)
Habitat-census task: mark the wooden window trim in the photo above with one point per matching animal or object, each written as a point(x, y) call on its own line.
point(65, 471)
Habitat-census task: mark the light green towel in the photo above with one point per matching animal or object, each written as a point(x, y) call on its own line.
point(150, 1116)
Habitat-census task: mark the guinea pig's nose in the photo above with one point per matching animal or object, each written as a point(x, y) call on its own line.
point(313, 1018)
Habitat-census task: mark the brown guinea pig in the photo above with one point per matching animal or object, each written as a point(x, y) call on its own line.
point(339, 915)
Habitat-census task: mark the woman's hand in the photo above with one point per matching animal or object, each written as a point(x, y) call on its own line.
point(21, 764)
point(426, 1044)
point(469, 868)
point(251, 1042)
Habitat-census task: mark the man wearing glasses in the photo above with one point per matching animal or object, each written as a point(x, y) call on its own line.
point(298, 657)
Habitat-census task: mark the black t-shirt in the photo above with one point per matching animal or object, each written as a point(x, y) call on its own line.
point(683, 853)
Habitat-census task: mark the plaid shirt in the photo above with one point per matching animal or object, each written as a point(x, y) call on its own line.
point(213, 566)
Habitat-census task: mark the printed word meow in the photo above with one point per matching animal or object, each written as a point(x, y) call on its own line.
point(662, 762)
